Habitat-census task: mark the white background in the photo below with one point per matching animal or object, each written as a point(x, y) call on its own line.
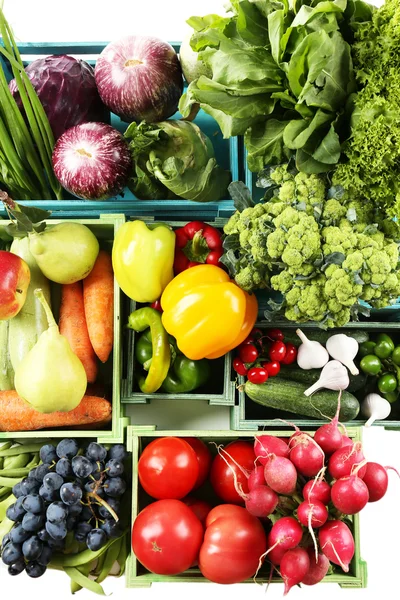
point(100, 20)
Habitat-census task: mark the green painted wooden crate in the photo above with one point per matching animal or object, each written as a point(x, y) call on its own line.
point(221, 388)
point(247, 414)
point(105, 229)
point(137, 576)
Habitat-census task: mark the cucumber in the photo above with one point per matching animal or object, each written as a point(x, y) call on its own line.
point(288, 396)
point(357, 382)
point(27, 326)
point(322, 336)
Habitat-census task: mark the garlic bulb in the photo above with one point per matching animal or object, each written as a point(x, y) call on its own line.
point(310, 355)
point(343, 348)
point(375, 408)
point(334, 376)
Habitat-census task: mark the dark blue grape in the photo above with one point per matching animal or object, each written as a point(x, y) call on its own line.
point(57, 512)
point(81, 531)
point(118, 452)
point(114, 468)
point(64, 468)
point(98, 468)
point(41, 471)
point(17, 567)
point(32, 522)
point(48, 454)
point(91, 486)
point(32, 473)
point(67, 448)
point(111, 528)
point(115, 505)
point(75, 510)
point(16, 512)
point(96, 452)
point(32, 548)
point(29, 485)
point(95, 539)
point(71, 522)
point(70, 493)
point(49, 495)
point(53, 481)
point(86, 514)
point(82, 466)
point(58, 531)
point(114, 487)
point(17, 492)
point(43, 535)
point(18, 534)
point(33, 503)
point(56, 545)
point(46, 556)
point(6, 539)
point(11, 553)
point(34, 569)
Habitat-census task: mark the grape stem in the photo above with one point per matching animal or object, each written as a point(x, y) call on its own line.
point(103, 503)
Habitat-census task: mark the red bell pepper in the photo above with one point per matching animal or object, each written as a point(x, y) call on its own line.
point(197, 243)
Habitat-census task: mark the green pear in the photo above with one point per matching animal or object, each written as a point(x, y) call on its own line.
point(66, 252)
point(51, 377)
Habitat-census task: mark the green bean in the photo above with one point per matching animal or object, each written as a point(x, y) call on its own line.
point(5, 446)
point(111, 557)
point(123, 554)
point(4, 491)
point(14, 472)
point(99, 564)
point(85, 570)
point(9, 481)
point(15, 450)
point(77, 560)
point(16, 462)
point(81, 579)
point(1, 462)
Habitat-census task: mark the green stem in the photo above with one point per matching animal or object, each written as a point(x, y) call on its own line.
point(50, 318)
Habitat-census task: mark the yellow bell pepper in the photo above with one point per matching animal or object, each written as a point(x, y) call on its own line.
point(143, 258)
point(207, 312)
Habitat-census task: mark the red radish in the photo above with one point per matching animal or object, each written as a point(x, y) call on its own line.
point(376, 479)
point(342, 461)
point(307, 456)
point(295, 565)
point(328, 436)
point(317, 489)
point(318, 569)
point(346, 441)
point(261, 501)
point(286, 533)
point(275, 555)
point(337, 543)
point(264, 445)
point(256, 477)
point(312, 514)
point(349, 494)
point(280, 475)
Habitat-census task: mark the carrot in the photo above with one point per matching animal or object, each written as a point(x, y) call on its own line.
point(17, 415)
point(72, 325)
point(98, 297)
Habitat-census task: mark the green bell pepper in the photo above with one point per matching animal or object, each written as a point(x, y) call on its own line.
point(184, 375)
point(384, 346)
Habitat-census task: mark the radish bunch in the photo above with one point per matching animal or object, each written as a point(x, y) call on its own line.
point(305, 486)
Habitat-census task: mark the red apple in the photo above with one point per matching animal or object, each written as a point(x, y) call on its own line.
point(14, 281)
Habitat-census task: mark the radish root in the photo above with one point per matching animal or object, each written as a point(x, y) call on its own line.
point(310, 529)
point(260, 560)
point(392, 469)
point(236, 483)
point(344, 567)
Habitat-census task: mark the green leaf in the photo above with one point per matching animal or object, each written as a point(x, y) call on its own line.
point(298, 132)
point(241, 195)
point(336, 258)
point(35, 215)
point(328, 151)
point(307, 164)
point(23, 221)
point(251, 25)
point(231, 242)
point(230, 261)
point(265, 145)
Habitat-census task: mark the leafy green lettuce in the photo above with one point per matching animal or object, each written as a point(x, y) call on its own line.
point(282, 76)
point(174, 159)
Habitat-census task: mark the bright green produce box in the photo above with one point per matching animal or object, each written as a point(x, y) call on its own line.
point(250, 415)
point(220, 390)
point(105, 229)
point(138, 576)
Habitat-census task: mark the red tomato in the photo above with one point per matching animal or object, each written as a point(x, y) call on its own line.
point(166, 537)
point(168, 468)
point(291, 354)
point(275, 334)
point(272, 368)
point(239, 366)
point(277, 351)
point(257, 375)
point(204, 459)
point(221, 475)
point(233, 544)
point(201, 508)
point(248, 353)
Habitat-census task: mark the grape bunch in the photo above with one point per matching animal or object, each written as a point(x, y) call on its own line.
point(70, 491)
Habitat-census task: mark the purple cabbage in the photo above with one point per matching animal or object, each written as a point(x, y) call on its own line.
point(67, 90)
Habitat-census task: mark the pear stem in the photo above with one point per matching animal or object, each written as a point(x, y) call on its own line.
point(50, 318)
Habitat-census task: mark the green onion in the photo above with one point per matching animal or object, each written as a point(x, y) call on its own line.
point(25, 146)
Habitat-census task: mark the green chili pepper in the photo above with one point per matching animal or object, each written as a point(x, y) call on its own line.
point(371, 364)
point(387, 383)
point(140, 320)
point(184, 374)
point(366, 348)
point(384, 346)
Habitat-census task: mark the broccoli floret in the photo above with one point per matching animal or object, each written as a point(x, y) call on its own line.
point(280, 174)
point(282, 282)
point(340, 287)
point(332, 213)
point(250, 278)
point(354, 261)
